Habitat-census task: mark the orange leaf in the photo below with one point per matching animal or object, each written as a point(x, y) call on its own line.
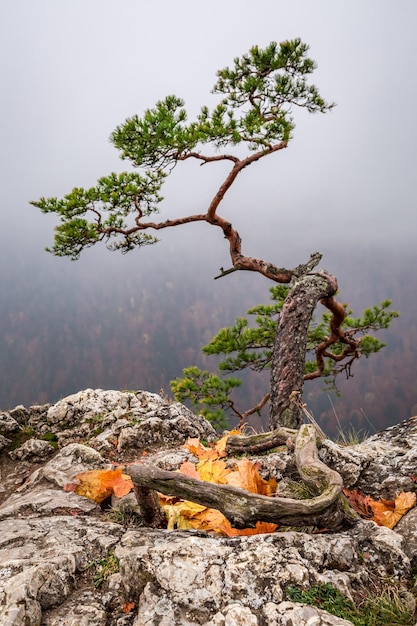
point(260, 528)
point(215, 452)
point(100, 484)
point(185, 514)
point(389, 512)
point(189, 469)
point(247, 477)
point(128, 606)
point(201, 452)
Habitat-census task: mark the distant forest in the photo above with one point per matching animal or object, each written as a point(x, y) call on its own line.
point(134, 322)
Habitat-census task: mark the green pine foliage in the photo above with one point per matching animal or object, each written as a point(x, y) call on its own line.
point(257, 96)
point(248, 344)
point(207, 392)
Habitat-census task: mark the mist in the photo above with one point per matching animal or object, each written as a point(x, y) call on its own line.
point(345, 186)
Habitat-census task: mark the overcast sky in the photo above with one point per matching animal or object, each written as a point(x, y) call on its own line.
point(72, 71)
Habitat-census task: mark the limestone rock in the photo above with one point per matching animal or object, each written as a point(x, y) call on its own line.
point(407, 527)
point(43, 492)
point(33, 449)
point(40, 560)
point(381, 465)
point(65, 562)
point(188, 577)
point(136, 419)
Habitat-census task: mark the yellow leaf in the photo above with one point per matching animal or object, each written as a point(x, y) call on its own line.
point(220, 446)
point(213, 471)
point(189, 509)
point(178, 514)
point(210, 468)
point(389, 512)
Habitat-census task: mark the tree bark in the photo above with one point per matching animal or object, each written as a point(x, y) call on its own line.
point(327, 509)
point(253, 444)
point(288, 356)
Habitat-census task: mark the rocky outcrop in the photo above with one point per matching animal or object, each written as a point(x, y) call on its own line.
point(65, 560)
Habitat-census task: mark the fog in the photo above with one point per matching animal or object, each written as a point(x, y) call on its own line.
point(71, 72)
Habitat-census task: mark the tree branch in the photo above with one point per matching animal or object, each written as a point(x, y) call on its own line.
point(337, 335)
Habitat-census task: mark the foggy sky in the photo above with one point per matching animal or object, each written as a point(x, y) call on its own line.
point(72, 71)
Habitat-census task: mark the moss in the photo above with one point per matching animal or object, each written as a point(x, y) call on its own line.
point(26, 433)
point(51, 438)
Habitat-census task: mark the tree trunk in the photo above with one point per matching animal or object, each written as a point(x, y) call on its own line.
point(289, 352)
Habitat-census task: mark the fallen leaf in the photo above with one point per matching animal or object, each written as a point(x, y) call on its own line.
point(98, 485)
point(183, 514)
point(213, 471)
point(359, 502)
point(260, 528)
point(216, 451)
point(389, 512)
point(201, 452)
point(189, 469)
point(247, 477)
point(128, 606)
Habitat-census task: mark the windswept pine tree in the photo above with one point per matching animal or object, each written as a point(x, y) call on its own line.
point(252, 120)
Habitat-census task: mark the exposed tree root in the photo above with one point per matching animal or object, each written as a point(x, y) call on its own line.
point(328, 509)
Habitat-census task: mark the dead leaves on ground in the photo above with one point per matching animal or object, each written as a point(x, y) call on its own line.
point(100, 484)
point(211, 468)
point(384, 512)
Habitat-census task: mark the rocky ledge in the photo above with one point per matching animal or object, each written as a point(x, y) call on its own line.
point(65, 560)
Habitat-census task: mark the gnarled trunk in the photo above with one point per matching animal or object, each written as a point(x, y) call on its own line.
point(288, 358)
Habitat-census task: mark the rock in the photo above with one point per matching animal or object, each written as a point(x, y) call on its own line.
point(291, 614)
point(186, 577)
point(381, 465)
point(136, 420)
point(4, 442)
point(8, 424)
point(407, 527)
point(64, 561)
point(34, 450)
point(43, 492)
point(40, 560)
